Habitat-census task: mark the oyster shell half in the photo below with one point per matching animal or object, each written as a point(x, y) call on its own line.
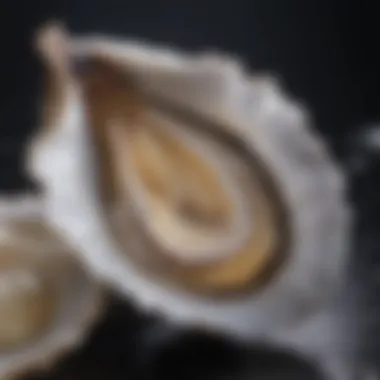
point(47, 301)
point(189, 185)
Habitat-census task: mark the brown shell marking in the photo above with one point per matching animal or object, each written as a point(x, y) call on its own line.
point(52, 46)
point(28, 302)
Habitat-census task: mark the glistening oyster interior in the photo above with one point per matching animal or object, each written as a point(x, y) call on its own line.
point(173, 175)
point(208, 179)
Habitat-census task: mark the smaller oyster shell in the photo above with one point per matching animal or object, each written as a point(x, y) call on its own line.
point(47, 301)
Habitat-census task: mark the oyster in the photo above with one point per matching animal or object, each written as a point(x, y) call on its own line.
point(190, 186)
point(47, 301)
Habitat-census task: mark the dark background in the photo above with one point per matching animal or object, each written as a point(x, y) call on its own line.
point(325, 53)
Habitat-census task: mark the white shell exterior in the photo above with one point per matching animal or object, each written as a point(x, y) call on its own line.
point(80, 301)
point(255, 109)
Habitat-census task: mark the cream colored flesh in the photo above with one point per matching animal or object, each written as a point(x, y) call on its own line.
point(203, 213)
point(27, 305)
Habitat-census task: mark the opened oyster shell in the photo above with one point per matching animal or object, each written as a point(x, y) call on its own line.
point(190, 186)
point(47, 302)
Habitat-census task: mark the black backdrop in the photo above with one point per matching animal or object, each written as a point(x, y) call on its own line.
point(325, 52)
